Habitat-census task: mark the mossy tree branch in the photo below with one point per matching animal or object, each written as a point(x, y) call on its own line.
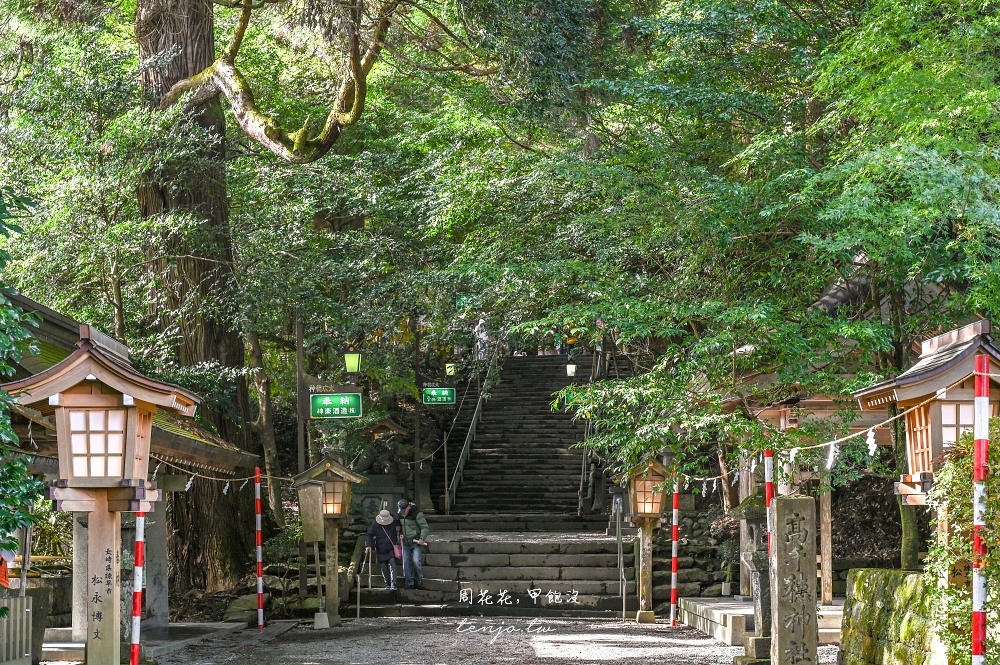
point(296, 146)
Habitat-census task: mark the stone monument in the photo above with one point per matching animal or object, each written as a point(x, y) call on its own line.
point(757, 646)
point(794, 627)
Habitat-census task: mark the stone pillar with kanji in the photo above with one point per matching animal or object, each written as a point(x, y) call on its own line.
point(794, 627)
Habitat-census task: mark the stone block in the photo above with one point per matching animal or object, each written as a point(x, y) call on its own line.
point(713, 591)
point(757, 647)
point(244, 608)
point(693, 575)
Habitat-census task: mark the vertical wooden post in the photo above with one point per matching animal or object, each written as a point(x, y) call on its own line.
point(645, 614)
point(826, 547)
point(981, 443)
point(332, 572)
point(81, 586)
point(416, 411)
point(104, 535)
point(300, 411)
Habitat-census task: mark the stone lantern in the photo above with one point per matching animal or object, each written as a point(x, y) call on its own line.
point(102, 410)
point(647, 497)
point(324, 492)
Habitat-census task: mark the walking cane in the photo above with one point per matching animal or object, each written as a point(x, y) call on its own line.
point(362, 570)
point(402, 549)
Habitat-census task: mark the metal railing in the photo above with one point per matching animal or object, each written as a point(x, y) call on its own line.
point(15, 632)
point(463, 457)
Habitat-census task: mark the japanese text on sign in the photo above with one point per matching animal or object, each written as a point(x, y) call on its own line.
point(335, 405)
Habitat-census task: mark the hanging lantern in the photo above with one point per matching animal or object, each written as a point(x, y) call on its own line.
point(352, 361)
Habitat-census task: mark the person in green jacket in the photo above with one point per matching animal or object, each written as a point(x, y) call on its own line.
point(414, 534)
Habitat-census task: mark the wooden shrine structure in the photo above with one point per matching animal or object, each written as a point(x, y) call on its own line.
point(941, 387)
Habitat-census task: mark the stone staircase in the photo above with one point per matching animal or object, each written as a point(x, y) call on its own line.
point(514, 545)
point(522, 461)
point(510, 565)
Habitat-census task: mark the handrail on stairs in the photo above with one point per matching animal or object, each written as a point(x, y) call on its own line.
point(456, 478)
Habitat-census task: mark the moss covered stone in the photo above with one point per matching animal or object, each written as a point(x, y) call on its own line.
point(887, 619)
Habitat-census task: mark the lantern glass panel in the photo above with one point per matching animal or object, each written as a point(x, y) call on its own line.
point(97, 439)
point(352, 362)
point(645, 497)
point(333, 498)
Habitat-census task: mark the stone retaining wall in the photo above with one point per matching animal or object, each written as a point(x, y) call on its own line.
point(700, 569)
point(887, 620)
point(700, 566)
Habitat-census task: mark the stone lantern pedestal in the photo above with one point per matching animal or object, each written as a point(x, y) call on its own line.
point(757, 646)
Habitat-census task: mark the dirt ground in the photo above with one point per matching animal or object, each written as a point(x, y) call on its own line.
point(470, 641)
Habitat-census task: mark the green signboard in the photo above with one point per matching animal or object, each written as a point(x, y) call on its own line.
point(572, 398)
point(335, 405)
point(439, 395)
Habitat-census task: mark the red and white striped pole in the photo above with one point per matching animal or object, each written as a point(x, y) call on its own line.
point(140, 562)
point(675, 536)
point(981, 444)
point(260, 552)
point(768, 491)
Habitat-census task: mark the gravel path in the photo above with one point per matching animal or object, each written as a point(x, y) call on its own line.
point(468, 641)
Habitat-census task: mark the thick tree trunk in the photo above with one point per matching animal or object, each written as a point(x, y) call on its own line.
point(265, 426)
point(211, 540)
point(730, 495)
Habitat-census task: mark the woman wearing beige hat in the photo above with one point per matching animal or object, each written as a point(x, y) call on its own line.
point(383, 535)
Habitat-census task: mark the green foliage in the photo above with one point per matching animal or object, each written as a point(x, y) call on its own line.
point(52, 533)
point(951, 496)
point(755, 201)
point(18, 489)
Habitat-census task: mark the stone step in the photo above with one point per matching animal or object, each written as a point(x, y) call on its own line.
point(475, 598)
point(500, 510)
point(502, 560)
point(549, 574)
point(584, 587)
point(501, 506)
point(447, 610)
point(492, 449)
point(485, 477)
point(570, 548)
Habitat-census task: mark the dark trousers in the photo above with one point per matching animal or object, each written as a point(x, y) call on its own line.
point(389, 571)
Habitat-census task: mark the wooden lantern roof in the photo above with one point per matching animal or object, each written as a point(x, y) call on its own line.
point(89, 363)
point(385, 426)
point(944, 361)
point(325, 470)
point(652, 464)
point(65, 348)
